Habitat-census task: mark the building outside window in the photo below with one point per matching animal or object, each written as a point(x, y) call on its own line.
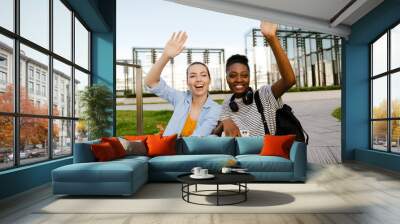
point(30, 87)
point(35, 79)
point(3, 80)
point(3, 61)
point(30, 72)
point(44, 77)
point(3, 72)
point(37, 74)
point(43, 90)
point(38, 89)
point(385, 91)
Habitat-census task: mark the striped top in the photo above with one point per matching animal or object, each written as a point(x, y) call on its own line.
point(248, 118)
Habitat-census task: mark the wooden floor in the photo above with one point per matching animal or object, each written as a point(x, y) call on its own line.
point(378, 189)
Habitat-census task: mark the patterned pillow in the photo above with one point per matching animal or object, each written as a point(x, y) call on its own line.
point(137, 147)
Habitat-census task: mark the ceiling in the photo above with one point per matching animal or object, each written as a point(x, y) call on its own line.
point(327, 16)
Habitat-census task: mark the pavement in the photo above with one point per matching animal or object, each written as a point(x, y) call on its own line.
point(313, 109)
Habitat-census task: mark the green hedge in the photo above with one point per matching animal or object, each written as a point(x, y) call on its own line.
point(336, 113)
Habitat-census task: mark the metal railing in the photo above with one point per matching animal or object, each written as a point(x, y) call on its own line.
point(139, 94)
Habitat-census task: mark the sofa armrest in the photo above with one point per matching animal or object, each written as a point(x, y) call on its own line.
point(298, 155)
point(83, 152)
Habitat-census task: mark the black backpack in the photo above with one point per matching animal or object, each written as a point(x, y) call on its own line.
point(286, 122)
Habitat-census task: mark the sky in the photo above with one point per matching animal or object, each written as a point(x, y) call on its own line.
point(151, 23)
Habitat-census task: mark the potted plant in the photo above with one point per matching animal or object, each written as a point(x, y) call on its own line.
point(96, 102)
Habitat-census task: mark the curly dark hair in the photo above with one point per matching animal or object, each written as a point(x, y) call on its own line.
point(237, 58)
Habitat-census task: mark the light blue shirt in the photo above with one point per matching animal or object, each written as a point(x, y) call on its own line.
point(181, 101)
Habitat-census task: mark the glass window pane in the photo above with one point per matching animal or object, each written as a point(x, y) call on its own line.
point(6, 74)
point(379, 55)
point(81, 81)
point(379, 135)
point(62, 89)
point(379, 98)
point(81, 131)
point(62, 141)
point(33, 139)
point(62, 29)
point(395, 94)
point(35, 21)
point(81, 45)
point(7, 14)
point(395, 47)
point(395, 136)
point(34, 96)
point(6, 142)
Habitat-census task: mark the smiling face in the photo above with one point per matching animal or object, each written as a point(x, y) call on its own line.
point(198, 80)
point(238, 78)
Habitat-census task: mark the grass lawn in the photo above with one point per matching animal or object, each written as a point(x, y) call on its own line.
point(126, 121)
point(337, 114)
point(219, 101)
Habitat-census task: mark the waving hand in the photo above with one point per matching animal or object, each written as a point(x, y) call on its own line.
point(175, 45)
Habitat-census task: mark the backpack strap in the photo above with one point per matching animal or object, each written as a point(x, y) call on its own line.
point(260, 109)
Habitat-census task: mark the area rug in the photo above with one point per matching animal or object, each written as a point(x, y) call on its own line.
point(167, 198)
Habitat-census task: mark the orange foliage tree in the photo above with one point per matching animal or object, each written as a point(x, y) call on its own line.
point(33, 130)
point(380, 111)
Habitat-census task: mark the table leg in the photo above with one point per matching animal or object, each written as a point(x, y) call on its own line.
point(217, 194)
point(196, 188)
point(245, 191)
point(182, 190)
point(188, 190)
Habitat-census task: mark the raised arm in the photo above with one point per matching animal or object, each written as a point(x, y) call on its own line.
point(287, 79)
point(174, 46)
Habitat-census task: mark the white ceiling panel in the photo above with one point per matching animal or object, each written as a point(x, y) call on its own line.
point(327, 16)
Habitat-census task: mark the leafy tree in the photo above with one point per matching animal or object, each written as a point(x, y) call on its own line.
point(96, 102)
point(380, 127)
point(33, 130)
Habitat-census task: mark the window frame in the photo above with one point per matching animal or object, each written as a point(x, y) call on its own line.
point(18, 40)
point(388, 74)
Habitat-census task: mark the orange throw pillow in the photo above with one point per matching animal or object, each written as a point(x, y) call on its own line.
point(277, 145)
point(136, 137)
point(161, 145)
point(103, 152)
point(116, 145)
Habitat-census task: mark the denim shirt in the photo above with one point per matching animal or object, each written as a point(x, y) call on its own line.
point(182, 101)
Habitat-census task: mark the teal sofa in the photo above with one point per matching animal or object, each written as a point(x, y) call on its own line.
point(125, 176)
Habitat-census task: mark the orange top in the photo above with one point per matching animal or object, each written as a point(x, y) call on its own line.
point(189, 127)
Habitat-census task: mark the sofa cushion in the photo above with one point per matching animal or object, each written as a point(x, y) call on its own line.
point(136, 137)
point(112, 171)
point(185, 163)
point(249, 145)
point(275, 145)
point(159, 145)
point(257, 163)
point(129, 159)
point(207, 145)
point(83, 152)
point(135, 147)
point(116, 145)
point(103, 152)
